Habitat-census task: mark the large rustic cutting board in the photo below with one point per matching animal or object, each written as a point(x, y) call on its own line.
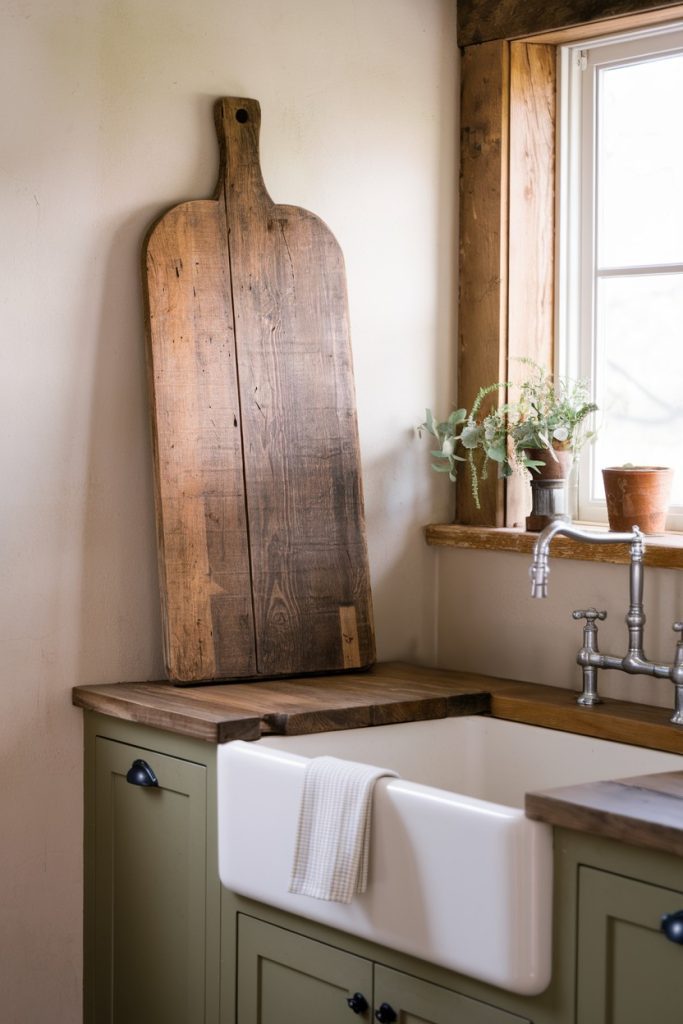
point(263, 561)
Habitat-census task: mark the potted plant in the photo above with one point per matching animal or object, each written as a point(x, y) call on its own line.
point(637, 496)
point(542, 431)
point(549, 427)
point(550, 415)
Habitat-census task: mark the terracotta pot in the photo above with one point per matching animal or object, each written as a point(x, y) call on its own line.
point(557, 468)
point(637, 496)
point(549, 499)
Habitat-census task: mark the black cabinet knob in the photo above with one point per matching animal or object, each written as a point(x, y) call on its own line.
point(672, 926)
point(385, 1014)
point(357, 1002)
point(140, 774)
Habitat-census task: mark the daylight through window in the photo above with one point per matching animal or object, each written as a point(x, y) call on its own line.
point(621, 250)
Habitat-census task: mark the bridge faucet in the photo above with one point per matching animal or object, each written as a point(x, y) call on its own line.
point(589, 657)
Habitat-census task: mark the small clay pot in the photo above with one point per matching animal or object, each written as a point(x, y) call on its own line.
point(637, 496)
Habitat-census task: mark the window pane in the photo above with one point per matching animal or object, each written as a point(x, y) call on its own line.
point(640, 157)
point(639, 375)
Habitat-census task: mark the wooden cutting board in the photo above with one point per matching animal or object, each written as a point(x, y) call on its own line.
point(262, 553)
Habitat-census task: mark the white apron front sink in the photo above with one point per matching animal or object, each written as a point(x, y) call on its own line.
point(458, 875)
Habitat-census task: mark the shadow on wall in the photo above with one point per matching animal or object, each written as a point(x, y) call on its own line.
point(399, 502)
point(120, 603)
point(120, 612)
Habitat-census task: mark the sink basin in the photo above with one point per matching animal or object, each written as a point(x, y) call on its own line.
point(458, 875)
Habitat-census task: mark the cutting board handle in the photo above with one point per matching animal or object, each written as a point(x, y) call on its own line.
point(238, 126)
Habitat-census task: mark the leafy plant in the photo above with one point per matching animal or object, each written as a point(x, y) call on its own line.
point(481, 440)
point(547, 415)
point(550, 414)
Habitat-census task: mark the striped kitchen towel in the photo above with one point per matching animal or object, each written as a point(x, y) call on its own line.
point(333, 837)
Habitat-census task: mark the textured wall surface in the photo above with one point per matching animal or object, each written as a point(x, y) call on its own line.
point(489, 622)
point(107, 121)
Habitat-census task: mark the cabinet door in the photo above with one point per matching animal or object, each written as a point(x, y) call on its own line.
point(628, 971)
point(285, 978)
point(414, 1001)
point(149, 890)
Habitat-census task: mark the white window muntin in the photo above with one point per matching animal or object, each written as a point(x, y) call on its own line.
point(580, 68)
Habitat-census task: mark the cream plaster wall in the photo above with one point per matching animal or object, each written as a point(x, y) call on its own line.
point(488, 622)
point(106, 115)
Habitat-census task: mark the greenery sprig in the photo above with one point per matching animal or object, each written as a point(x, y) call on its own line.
point(548, 415)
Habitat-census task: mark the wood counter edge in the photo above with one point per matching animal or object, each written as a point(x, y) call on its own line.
point(633, 811)
point(387, 713)
point(209, 729)
point(614, 809)
point(208, 714)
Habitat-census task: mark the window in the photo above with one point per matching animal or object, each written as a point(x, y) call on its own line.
point(620, 258)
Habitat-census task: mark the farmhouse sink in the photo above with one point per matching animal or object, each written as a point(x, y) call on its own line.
point(458, 875)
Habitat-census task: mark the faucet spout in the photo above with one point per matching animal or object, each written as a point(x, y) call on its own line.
point(540, 568)
point(589, 657)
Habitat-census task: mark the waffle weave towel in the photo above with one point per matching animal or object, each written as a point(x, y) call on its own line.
point(333, 837)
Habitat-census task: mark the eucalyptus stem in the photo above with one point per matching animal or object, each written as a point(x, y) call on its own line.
point(474, 478)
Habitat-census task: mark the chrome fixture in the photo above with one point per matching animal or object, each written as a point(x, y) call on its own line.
point(589, 657)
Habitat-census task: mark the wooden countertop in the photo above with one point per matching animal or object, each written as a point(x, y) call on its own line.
point(645, 811)
point(287, 707)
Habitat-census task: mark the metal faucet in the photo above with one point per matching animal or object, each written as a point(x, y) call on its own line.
point(589, 657)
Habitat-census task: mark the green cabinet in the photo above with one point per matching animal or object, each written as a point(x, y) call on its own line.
point(421, 1002)
point(150, 873)
point(164, 942)
point(286, 978)
point(628, 971)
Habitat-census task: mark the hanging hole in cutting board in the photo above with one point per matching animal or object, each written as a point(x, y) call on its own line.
point(242, 115)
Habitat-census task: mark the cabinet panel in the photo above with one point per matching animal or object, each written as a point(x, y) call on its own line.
point(628, 971)
point(149, 889)
point(285, 978)
point(420, 1002)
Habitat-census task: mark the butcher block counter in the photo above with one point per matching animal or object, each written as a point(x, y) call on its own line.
point(644, 811)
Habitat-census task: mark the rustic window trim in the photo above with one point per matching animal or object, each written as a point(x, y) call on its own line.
point(665, 552)
point(507, 216)
point(481, 21)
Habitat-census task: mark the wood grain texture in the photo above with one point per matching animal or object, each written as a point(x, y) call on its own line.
point(637, 724)
point(385, 709)
point(482, 315)
point(482, 20)
point(216, 713)
point(201, 521)
point(263, 558)
point(531, 272)
point(555, 707)
point(348, 624)
point(389, 691)
point(507, 164)
point(301, 451)
point(623, 23)
point(642, 811)
point(645, 810)
point(665, 552)
point(184, 712)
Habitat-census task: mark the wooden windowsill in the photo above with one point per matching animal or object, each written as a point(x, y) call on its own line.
point(665, 551)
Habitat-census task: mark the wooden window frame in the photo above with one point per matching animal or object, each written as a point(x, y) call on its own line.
point(507, 198)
